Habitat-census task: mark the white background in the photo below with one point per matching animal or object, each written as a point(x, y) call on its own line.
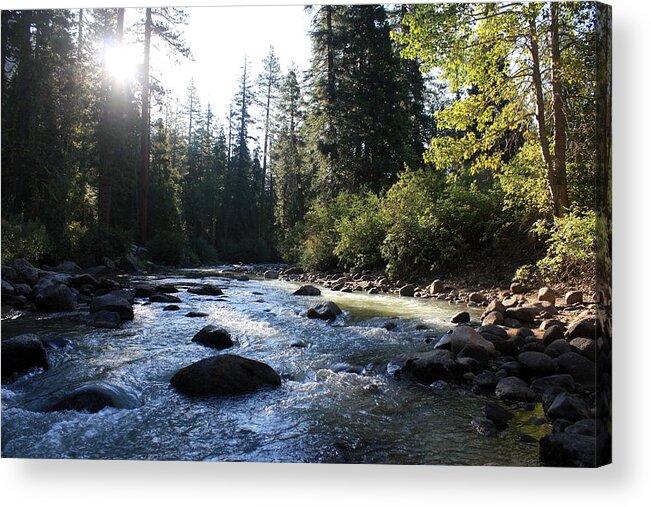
point(627, 482)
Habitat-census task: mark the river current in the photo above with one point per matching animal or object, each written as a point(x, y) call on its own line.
point(321, 413)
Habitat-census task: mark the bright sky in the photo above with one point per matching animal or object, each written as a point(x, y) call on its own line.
point(219, 37)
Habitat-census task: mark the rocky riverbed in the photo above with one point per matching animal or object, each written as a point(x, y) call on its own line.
point(361, 368)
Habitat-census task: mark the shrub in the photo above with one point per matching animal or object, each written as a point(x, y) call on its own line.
point(246, 250)
point(206, 253)
point(22, 239)
point(169, 247)
point(361, 231)
point(290, 243)
point(429, 229)
point(570, 248)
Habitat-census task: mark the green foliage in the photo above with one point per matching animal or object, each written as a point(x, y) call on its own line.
point(169, 247)
point(430, 229)
point(205, 252)
point(246, 250)
point(361, 231)
point(22, 239)
point(290, 243)
point(570, 253)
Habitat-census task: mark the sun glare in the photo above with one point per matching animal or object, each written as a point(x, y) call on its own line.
point(121, 62)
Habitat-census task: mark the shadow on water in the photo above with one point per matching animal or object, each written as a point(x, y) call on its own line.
point(321, 413)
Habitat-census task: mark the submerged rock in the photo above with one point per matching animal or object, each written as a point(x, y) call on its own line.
point(22, 353)
point(426, 367)
point(93, 398)
point(213, 336)
point(484, 426)
point(196, 314)
point(103, 319)
point(164, 298)
point(226, 374)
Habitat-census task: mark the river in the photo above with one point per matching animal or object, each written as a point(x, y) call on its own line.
point(317, 415)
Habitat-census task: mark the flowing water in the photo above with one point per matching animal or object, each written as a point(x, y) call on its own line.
point(317, 415)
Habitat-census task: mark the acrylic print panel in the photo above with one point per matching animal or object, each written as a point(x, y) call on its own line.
point(332, 234)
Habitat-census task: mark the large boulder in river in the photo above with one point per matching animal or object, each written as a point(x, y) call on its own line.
point(460, 318)
point(271, 274)
point(164, 298)
point(407, 290)
point(307, 290)
point(436, 286)
point(226, 374)
point(55, 297)
point(93, 398)
point(117, 302)
point(104, 319)
point(144, 290)
point(206, 290)
point(493, 319)
point(462, 336)
point(325, 311)
point(21, 353)
point(296, 270)
point(213, 336)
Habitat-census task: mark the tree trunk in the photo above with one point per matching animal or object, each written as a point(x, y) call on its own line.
point(561, 203)
point(143, 190)
point(543, 132)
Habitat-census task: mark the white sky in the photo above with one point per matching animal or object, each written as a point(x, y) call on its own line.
point(219, 37)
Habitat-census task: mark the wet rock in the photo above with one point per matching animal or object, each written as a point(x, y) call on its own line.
point(436, 286)
point(348, 368)
point(166, 288)
point(325, 311)
point(55, 342)
point(307, 290)
point(164, 298)
point(471, 366)
point(550, 395)
point(512, 369)
point(213, 336)
point(93, 398)
point(389, 326)
point(296, 270)
point(144, 290)
point(196, 314)
point(103, 319)
point(533, 346)
point(514, 389)
point(484, 426)
point(426, 367)
point(113, 302)
point(562, 380)
point(568, 406)
point(578, 366)
point(206, 290)
point(225, 374)
point(407, 290)
point(462, 336)
point(573, 297)
point(270, 274)
point(536, 364)
point(493, 319)
point(568, 450)
point(498, 414)
point(460, 318)
point(537, 421)
point(585, 346)
point(298, 344)
point(557, 347)
point(547, 294)
point(56, 297)
point(22, 353)
point(171, 308)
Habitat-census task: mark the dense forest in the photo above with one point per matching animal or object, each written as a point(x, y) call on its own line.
point(422, 139)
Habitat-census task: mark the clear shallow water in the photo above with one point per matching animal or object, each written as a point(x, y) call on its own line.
point(317, 415)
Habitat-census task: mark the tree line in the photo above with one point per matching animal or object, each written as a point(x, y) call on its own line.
point(420, 135)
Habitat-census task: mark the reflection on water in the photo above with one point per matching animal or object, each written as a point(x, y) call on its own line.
point(317, 415)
